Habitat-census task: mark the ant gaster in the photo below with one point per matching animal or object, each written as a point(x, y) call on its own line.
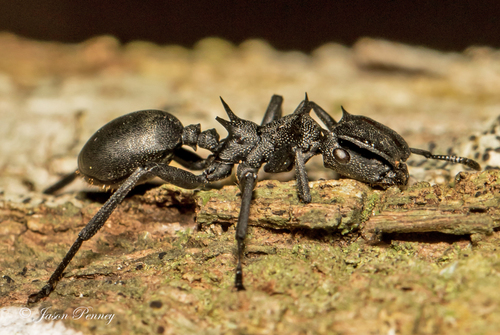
point(138, 146)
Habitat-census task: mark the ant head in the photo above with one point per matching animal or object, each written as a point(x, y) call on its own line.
point(242, 136)
point(372, 136)
point(351, 160)
point(366, 150)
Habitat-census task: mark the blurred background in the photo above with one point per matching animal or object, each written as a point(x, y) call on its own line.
point(287, 25)
point(430, 70)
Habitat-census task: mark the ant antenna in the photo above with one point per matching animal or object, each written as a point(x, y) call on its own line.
point(454, 159)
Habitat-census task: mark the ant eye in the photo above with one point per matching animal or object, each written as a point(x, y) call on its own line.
point(341, 156)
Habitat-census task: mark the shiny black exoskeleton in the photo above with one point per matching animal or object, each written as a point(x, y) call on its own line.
point(279, 143)
point(149, 140)
point(129, 150)
point(140, 145)
point(366, 150)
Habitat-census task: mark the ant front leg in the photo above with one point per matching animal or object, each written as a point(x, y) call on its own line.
point(303, 190)
point(301, 158)
point(247, 177)
point(323, 116)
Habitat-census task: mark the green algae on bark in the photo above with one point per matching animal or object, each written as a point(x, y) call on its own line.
point(470, 206)
point(335, 206)
point(159, 279)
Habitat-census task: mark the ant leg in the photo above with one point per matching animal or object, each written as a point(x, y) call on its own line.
point(304, 107)
point(217, 171)
point(190, 160)
point(177, 177)
point(66, 180)
point(303, 190)
point(274, 110)
point(454, 159)
point(87, 232)
point(247, 177)
point(170, 174)
point(323, 116)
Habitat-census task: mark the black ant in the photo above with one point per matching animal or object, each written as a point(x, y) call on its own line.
point(139, 146)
